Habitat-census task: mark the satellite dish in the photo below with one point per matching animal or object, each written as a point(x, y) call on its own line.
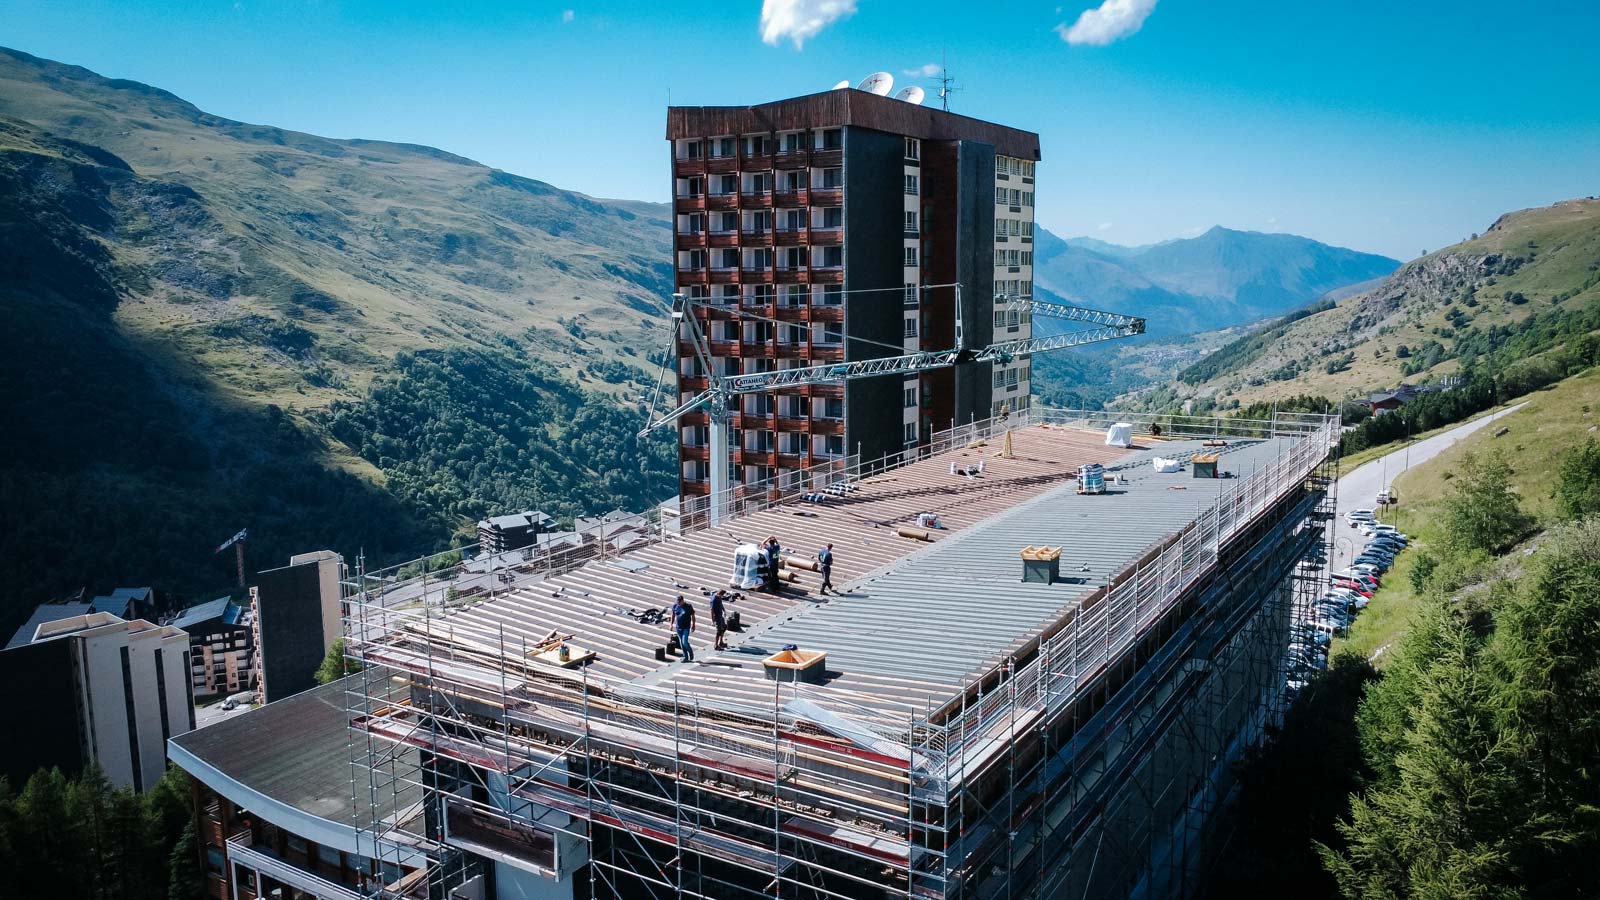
point(912, 95)
point(842, 85)
point(880, 83)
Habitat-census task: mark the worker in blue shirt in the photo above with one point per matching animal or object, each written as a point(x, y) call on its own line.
point(683, 623)
point(825, 563)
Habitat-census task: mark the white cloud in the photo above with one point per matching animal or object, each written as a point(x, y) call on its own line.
point(1105, 226)
point(1110, 21)
point(567, 15)
point(800, 20)
point(926, 71)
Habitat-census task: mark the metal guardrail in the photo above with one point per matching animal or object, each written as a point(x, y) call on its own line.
point(1138, 596)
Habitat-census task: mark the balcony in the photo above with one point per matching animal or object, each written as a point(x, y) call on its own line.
point(786, 199)
point(755, 237)
point(791, 351)
point(689, 452)
point(827, 275)
point(695, 383)
point(268, 865)
point(697, 488)
point(791, 424)
point(827, 426)
point(827, 159)
point(791, 159)
point(755, 199)
point(827, 391)
point(761, 275)
point(756, 350)
point(827, 314)
point(695, 203)
point(827, 236)
point(788, 313)
point(691, 276)
point(722, 239)
point(789, 237)
point(721, 165)
point(753, 161)
point(827, 196)
point(724, 276)
point(789, 461)
point(755, 457)
point(691, 241)
point(684, 168)
point(722, 201)
point(827, 352)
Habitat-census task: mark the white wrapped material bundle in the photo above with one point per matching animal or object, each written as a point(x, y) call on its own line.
point(1120, 435)
point(746, 567)
point(1163, 464)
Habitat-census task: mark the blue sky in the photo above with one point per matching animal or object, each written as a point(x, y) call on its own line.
point(1385, 126)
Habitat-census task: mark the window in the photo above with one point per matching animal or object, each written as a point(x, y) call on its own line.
point(1000, 196)
point(794, 220)
point(833, 408)
point(834, 444)
point(999, 378)
point(793, 142)
point(757, 183)
point(793, 258)
point(910, 329)
point(727, 184)
point(757, 145)
point(1026, 258)
point(695, 224)
point(911, 432)
point(833, 178)
point(911, 222)
point(911, 257)
point(696, 187)
point(832, 138)
point(999, 318)
point(724, 146)
point(1027, 198)
point(911, 294)
point(833, 256)
point(832, 216)
point(911, 184)
point(1016, 197)
point(695, 259)
point(691, 150)
point(833, 333)
point(794, 295)
point(330, 855)
point(729, 258)
point(910, 399)
point(833, 295)
point(727, 221)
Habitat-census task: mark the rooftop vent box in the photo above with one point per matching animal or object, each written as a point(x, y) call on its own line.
point(1204, 466)
point(1041, 564)
point(805, 666)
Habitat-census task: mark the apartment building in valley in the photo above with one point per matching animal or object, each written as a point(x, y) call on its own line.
point(834, 227)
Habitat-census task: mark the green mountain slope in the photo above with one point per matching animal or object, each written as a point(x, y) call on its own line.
point(345, 344)
point(1527, 284)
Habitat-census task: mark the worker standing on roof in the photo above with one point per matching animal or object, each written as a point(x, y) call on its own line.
point(719, 618)
point(772, 554)
point(683, 623)
point(825, 562)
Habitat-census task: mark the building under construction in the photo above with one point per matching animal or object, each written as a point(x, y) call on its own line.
point(1021, 689)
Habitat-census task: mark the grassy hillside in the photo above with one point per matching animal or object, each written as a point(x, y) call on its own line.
point(216, 325)
point(1531, 271)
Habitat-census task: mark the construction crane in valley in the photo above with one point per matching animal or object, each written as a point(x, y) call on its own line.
point(237, 543)
point(723, 389)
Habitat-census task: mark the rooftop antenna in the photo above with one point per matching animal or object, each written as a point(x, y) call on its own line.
point(946, 83)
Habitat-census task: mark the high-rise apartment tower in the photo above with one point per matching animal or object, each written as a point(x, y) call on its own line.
point(835, 227)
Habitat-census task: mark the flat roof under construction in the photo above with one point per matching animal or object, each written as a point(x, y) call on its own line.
point(916, 622)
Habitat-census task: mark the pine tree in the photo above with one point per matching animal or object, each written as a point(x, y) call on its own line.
point(1482, 512)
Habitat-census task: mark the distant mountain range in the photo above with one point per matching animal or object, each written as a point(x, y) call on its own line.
point(1221, 278)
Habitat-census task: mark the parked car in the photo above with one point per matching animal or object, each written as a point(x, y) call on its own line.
point(1356, 586)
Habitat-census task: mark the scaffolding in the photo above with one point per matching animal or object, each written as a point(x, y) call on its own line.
point(1083, 765)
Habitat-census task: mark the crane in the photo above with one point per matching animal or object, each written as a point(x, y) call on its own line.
point(1103, 326)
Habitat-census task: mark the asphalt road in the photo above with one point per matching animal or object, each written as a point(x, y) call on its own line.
point(1359, 489)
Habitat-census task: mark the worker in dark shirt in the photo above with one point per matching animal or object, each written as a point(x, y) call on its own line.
point(771, 554)
point(825, 563)
point(719, 618)
point(683, 623)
